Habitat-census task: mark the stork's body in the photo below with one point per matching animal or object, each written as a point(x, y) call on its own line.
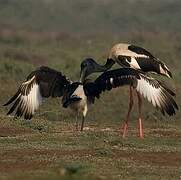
point(136, 57)
point(45, 82)
point(80, 103)
point(75, 98)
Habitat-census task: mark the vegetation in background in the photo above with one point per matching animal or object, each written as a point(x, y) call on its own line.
point(91, 16)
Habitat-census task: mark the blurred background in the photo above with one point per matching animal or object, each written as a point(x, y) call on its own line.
point(60, 34)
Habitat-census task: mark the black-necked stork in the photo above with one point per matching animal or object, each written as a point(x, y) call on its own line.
point(129, 55)
point(143, 84)
point(42, 83)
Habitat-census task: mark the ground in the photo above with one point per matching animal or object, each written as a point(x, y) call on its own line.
point(28, 150)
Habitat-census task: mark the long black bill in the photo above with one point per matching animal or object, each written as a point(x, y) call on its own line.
point(82, 74)
point(89, 66)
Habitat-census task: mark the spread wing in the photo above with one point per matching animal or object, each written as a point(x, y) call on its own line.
point(42, 83)
point(160, 96)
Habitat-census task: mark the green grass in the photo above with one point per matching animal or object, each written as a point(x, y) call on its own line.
point(98, 154)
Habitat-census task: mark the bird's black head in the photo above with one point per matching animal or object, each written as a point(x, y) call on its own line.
point(87, 62)
point(89, 66)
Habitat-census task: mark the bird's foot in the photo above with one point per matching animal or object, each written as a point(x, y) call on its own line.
point(141, 133)
point(125, 129)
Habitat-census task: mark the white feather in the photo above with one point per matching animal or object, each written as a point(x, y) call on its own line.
point(111, 81)
point(134, 63)
point(33, 100)
point(153, 94)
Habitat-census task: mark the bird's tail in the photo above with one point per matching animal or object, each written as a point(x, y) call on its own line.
point(165, 70)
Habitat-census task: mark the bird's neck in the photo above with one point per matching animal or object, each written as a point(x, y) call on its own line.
point(109, 64)
point(101, 68)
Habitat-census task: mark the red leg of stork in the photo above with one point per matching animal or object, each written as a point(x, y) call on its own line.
point(131, 102)
point(140, 125)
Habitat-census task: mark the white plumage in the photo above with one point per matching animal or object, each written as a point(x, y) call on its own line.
point(153, 94)
point(111, 80)
point(79, 106)
point(31, 101)
point(134, 64)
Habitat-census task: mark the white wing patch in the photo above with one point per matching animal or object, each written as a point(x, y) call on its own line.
point(134, 64)
point(111, 81)
point(31, 102)
point(27, 99)
point(152, 93)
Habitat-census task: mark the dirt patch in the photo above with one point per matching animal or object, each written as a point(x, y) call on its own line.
point(34, 159)
point(10, 131)
point(153, 158)
point(21, 153)
point(166, 133)
point(20, 165)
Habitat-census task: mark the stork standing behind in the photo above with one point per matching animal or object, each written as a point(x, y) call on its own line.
point(137, 58)
point(45, 82)
point(128, 55)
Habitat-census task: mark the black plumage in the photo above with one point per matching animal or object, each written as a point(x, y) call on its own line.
point(128, 76)
point(68, 97)
point(45, 82)
point(136, 57)
point(41, 83)
point(140, 50)
point(155, 91)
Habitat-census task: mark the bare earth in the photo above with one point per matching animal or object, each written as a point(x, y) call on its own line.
point(95, 153)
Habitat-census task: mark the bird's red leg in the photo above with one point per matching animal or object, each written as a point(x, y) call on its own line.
point(131, 102)
point(140, 125)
